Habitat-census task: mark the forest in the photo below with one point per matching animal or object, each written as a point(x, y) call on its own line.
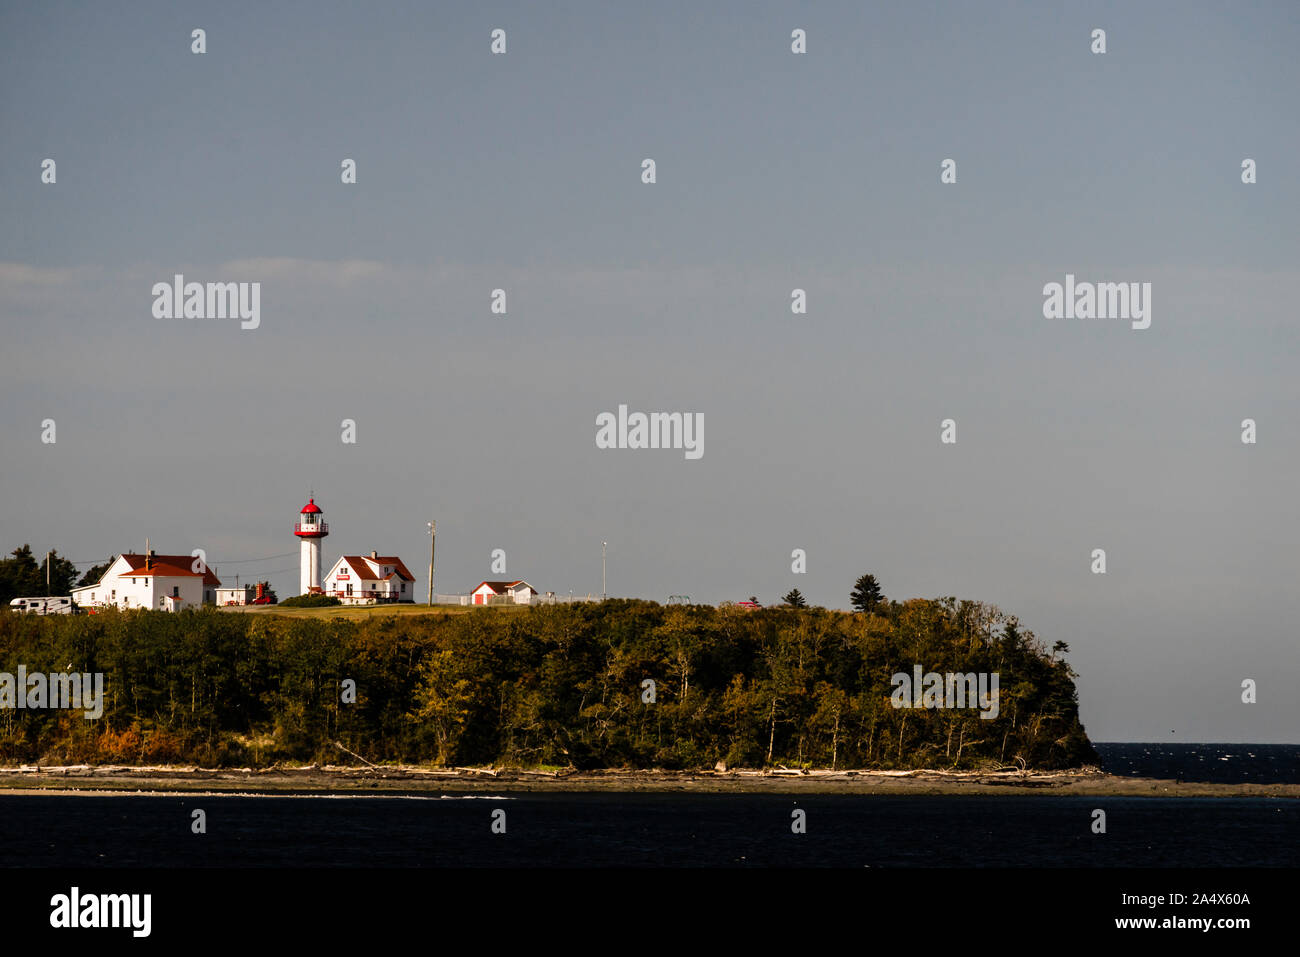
point(614, 684)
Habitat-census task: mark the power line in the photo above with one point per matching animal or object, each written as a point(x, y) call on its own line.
point(245, 561)
point(210, 561)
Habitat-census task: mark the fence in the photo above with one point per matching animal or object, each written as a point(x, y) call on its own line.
point(451, 599)
point(550, 598)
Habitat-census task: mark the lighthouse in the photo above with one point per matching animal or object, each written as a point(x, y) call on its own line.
point(310, 530)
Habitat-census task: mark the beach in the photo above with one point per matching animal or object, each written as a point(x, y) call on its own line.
point(414, 780)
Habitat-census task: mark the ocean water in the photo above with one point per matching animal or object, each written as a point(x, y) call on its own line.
point(1219, 763)
point(645, 830)
point(686, 830)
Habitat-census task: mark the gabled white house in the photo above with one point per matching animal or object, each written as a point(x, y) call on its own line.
point(160, 582)
point(368, 580)
point(490, 593)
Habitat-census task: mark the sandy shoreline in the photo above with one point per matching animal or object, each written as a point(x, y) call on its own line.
point(416, 780)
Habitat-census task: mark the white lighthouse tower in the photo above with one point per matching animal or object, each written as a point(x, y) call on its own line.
point(310, 530)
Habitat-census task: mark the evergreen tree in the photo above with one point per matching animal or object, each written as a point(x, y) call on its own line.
point(18, 574)
point(795, 599)
point(22, 576)
point(93, 575)
point(866, 593)
point(62, 573)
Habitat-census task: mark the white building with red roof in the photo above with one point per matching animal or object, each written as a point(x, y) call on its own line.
point(370, 579)
point(166, 582)
point(517, 592)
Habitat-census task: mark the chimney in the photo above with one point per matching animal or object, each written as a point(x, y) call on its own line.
point(374, 555)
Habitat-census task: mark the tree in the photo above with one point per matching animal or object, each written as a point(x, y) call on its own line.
point(564, 684)
point(62, 573)
point(22, 576)
point(866, 593)
point(795, 599)
point(18, 575)
point(93, 575)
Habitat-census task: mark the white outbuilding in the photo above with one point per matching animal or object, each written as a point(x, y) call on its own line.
point(517, 592)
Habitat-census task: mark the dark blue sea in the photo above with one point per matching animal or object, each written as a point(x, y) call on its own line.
point(691, 830)
point(1220, 763)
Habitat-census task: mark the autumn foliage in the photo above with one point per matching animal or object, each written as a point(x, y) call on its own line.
point(612, 684)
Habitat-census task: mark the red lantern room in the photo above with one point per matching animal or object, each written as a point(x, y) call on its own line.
point(309, 521)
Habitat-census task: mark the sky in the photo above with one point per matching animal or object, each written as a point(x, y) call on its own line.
point(774, 171)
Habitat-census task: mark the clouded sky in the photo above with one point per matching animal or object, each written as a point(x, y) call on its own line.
point(775, 171)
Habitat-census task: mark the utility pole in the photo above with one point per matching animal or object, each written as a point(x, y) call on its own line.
point(602, 570)
point(433, 536)
point(47, 573)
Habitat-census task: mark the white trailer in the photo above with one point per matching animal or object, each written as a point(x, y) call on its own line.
point(48, 605)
